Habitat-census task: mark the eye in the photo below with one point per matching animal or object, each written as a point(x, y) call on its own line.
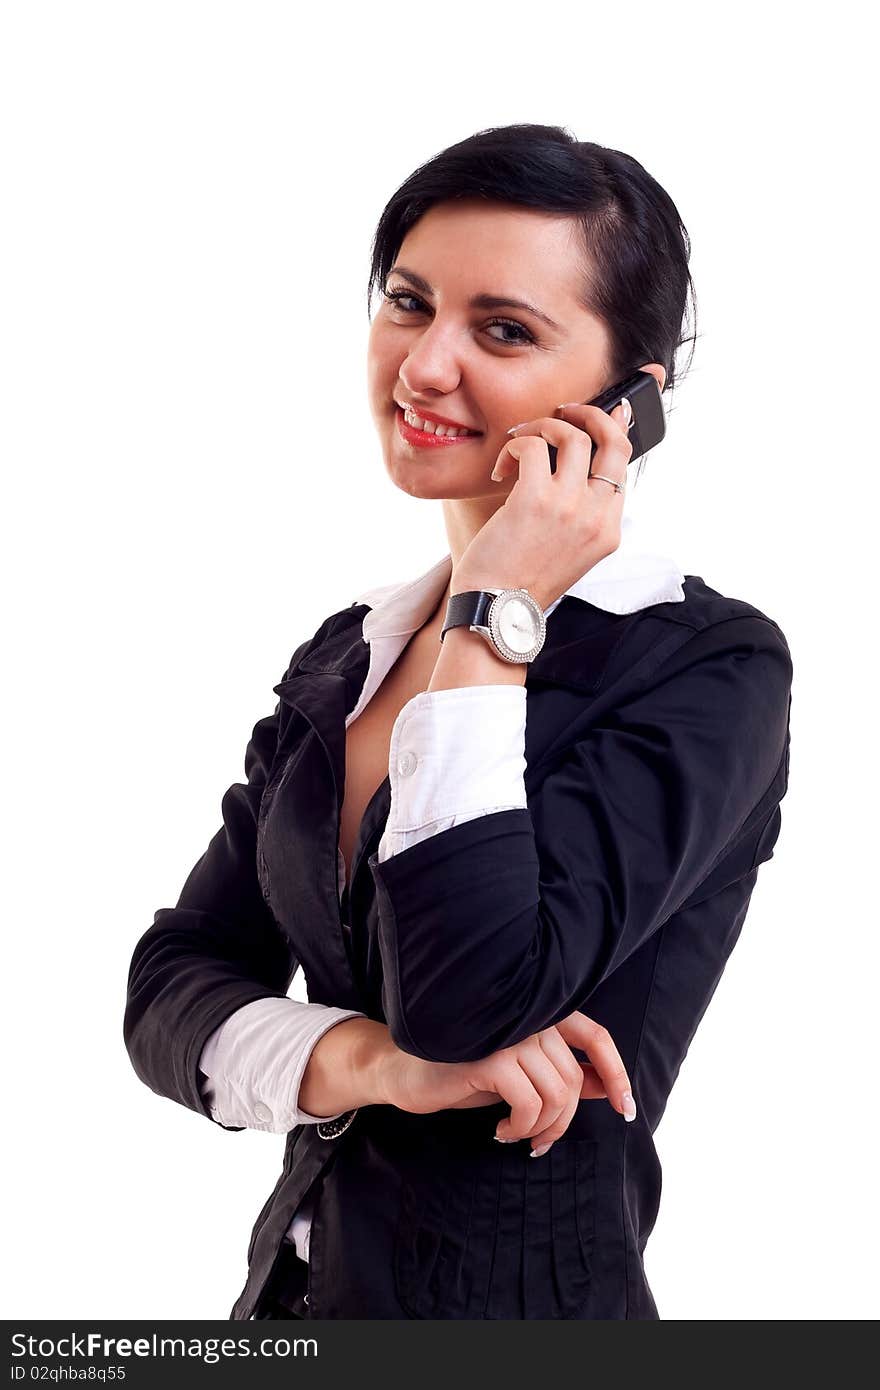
point(396, 297)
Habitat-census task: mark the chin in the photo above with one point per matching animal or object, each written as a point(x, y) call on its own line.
point(435, 474)
point(417, 480)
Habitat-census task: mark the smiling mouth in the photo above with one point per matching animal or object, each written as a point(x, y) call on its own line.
point(429, 437)
point(429, 426)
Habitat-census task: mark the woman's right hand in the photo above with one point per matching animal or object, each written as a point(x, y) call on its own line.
point(539, 1078)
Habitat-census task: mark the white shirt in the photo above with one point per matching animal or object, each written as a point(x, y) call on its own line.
point(454, 754)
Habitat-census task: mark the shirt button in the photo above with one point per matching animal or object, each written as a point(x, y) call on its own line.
point(262, 1112)
point(406, 763)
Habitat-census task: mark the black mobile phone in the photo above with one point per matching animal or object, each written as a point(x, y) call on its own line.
point(649, 422)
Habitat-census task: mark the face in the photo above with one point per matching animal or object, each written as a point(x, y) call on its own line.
point(484, 367)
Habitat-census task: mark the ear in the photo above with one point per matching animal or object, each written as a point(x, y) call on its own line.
point(656, 371)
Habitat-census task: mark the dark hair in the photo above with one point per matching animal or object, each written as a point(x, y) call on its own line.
point(637, 248)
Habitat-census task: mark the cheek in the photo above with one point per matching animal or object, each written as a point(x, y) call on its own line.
point(379, 381)
point(518, 396)
point(382, 361)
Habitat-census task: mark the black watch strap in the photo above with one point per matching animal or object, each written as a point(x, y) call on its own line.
point(468, 609)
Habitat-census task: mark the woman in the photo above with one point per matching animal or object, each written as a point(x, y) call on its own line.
point(498, 917)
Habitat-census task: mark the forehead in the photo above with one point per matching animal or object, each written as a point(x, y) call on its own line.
point(479, 245)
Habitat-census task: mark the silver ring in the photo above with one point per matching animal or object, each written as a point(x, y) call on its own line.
point(600, 478)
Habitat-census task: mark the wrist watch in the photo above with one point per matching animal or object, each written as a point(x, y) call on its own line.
point(510, 620)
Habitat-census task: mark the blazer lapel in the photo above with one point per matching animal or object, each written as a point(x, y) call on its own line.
point(299, 817)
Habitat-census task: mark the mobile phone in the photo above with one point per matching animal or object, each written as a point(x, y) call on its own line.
point(649, 422)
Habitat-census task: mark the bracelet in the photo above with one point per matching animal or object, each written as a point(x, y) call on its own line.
point(331, 1129)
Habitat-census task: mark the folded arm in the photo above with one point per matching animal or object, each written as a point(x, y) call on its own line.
point(503, 925)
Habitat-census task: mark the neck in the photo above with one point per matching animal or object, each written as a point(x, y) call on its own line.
point(463, 518)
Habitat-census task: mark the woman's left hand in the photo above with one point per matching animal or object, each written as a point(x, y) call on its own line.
point(553, 526)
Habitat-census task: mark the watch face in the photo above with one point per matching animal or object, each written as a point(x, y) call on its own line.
point(518, 625)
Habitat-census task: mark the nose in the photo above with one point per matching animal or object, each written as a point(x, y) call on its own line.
point(431, 363)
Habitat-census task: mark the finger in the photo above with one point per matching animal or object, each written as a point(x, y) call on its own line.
point(610, 467)
point(544, 1140)
point(525, 460)
point(549, 1089)
point(559, 1052)
point(553, 1088)
point(591, 1089)
point(619, 414)
point(573, 450)
point(602, 426)
point(516, 1089)
point(615, 469)
point(597, 1042)
point(561, 1055)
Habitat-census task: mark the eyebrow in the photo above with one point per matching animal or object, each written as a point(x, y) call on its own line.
point(480, 301)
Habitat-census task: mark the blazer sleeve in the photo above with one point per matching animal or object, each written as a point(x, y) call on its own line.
point(502, 926)
point(217, 949)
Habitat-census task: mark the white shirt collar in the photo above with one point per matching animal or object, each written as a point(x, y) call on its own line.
point(628, 579)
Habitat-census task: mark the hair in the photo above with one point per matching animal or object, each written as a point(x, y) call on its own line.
point(637, 249)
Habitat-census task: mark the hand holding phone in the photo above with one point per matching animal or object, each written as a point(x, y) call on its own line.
point(551, 530)
point(649, 422)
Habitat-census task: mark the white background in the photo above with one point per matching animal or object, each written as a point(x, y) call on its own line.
point(192, 482)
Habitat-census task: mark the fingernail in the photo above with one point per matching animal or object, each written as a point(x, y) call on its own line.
point(513, 429)
point(627, 411)
point(567, 404)
point(541, 1149)
point(500, 1140)
point(629, 1106)
point(496, 477)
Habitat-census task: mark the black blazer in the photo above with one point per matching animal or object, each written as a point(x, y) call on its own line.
point(657, 750)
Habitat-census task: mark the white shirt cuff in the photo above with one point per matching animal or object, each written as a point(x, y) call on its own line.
point(254, 1063)
point(454, 755)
